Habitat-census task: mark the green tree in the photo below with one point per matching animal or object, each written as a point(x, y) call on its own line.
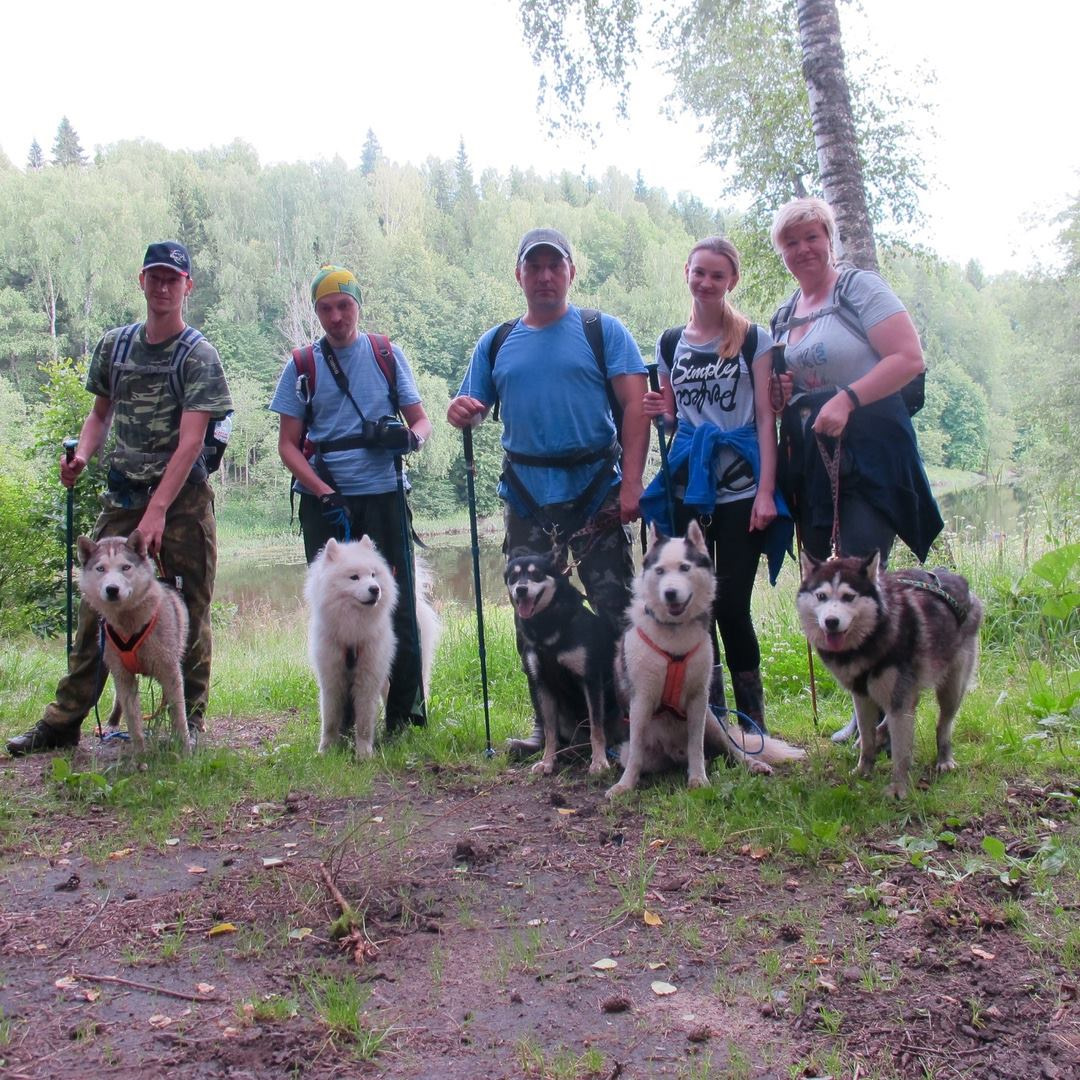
point(765, 77)
point(35, 160)
point(370, 155)
point(66, 149)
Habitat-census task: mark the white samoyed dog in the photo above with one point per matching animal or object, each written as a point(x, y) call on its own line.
point(351, 596)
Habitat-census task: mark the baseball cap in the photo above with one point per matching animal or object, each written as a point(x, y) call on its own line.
point(334, 279)
point(551, 238)
point(170, 253)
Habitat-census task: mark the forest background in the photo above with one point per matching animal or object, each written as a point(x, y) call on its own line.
point(433, 245)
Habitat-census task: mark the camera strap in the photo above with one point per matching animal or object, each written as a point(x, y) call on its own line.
point(340, 378)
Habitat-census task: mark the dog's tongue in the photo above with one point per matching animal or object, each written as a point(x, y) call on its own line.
point(525, 607)
point(834, 642)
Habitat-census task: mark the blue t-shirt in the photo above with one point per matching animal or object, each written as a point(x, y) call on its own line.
point(355, 472)
point(554, 398)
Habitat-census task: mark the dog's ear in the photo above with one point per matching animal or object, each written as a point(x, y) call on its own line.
point(808, 563)
point(137, 543)
point(694, 535)
point(330, 552)
point(872, 566)
point(87, 547)
point(367, 542)
point(654, 534)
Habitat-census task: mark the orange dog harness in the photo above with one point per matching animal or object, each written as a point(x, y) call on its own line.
point(129, 648)
point(674, 679)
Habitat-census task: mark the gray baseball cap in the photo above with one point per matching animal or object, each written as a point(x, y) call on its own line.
point(551, 238)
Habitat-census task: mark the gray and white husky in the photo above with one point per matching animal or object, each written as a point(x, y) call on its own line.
point(351, 595)
point(886, 636)
point(664, 665)
point(146, 627)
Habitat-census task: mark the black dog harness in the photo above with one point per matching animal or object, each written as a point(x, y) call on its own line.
point(935, 587)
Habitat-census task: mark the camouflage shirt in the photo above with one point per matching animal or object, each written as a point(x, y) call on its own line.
point(146, 411)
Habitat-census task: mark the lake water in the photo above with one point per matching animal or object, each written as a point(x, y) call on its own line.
point(275, 580)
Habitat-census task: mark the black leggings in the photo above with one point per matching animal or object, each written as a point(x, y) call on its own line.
point(737, 552)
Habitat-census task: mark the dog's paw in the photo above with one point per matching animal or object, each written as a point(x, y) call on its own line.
point(543, 767)
point(599, 766)
point(865, 769)
point(697, 781)
point(947, 765)
point(618, 789)
point(760, 768)
point(896, 790)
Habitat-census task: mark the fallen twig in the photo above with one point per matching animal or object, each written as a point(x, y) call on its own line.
point(142, 986)
point(93, 919)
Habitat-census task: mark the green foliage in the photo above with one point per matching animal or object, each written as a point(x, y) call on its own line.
point(66, 149)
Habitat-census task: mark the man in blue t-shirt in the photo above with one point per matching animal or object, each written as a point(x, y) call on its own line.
point(566, 479)
point(349, 488)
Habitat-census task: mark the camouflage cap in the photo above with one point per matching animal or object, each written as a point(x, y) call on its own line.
point(334, 279)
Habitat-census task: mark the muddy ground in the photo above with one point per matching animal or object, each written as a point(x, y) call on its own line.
point(481, 909)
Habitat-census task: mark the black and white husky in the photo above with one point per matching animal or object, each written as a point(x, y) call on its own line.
point(664, 665)
point(567, 652)
point(886, 636)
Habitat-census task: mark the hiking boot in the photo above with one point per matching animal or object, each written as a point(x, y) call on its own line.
point(40, 737)
point(520, 749)
point(749, 700)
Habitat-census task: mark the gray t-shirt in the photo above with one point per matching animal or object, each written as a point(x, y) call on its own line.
point(709, 388)
point(829, 353)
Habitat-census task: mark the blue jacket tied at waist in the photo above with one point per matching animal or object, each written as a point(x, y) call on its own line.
point(696, 450)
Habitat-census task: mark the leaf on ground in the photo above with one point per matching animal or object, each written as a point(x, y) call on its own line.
point(656, 965)
point(205, 988)
point(121, 853)
point(819, 959)
point(565, 811)
point(193, 869)
point(173, 841)
point(91, 994)
point(606, 964)
point(658, 842)
point(650, 918)
point(982, 954)
point(66, 982)
point(299, 933)
point(221, 928)
point(272, 861)
point(159, 1020)
point(662, 989)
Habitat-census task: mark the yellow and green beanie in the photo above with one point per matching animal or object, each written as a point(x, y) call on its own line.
point(334, 279)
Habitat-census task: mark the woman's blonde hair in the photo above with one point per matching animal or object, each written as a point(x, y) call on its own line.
point(733, 322)
point(799, 212)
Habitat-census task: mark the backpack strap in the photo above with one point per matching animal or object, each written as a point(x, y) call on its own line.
point(501, 335)
point(384, 357)
point(120, 350)
point(749, 351)
point(669, 342)
point(185, 343)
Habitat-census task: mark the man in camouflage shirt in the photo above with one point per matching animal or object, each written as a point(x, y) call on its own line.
point(157, 481)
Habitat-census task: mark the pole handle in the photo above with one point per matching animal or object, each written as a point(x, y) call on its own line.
point(654, 377)
point(69, 449)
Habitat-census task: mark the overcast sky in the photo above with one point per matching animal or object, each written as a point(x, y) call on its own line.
point(306, 82)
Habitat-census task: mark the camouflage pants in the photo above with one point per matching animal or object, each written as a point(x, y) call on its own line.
point(188, 554)
point(604, 560)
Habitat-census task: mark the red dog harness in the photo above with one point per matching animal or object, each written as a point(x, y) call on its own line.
point(129, 648)
point(675, 677)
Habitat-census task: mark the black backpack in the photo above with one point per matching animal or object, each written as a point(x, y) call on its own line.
point(594, 335)
point(914, 393)
point(218, 428)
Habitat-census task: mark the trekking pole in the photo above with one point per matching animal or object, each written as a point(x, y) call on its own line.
point(809, 647)
point(654, 386)
point(470, 483)
point(410, 578)
point(69, 454)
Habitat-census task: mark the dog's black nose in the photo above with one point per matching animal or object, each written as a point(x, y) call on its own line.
point(671, 595)
point(373, 592)
point(521, 590)
point(112, 591)
point(832, 622)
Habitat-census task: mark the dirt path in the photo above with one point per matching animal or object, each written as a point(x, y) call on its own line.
point(481, 914)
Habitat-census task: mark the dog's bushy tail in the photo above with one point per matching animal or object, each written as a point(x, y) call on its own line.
point(771, 751)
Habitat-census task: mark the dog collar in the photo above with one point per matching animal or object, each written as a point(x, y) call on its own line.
point(674, 677)
point(128, 648)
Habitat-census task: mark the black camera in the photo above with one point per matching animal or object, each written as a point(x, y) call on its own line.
point(389, 433)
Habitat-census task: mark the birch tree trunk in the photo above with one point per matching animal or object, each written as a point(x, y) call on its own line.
point(834, 129)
